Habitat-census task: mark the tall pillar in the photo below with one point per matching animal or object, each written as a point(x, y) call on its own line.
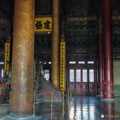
point(21, 98)
point(108, 52)
point(103, 63)
point(100, 67)
point(55, 43)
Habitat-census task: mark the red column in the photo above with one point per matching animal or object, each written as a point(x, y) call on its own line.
point(108, 54)
point(100, 67)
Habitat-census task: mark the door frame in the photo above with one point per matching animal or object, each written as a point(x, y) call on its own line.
point(81, 67)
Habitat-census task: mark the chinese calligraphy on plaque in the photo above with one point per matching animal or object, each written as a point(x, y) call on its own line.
point(7, 58)
point(62, 65)
point(43, 24)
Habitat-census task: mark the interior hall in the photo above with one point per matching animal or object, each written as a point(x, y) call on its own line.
point(59, 59)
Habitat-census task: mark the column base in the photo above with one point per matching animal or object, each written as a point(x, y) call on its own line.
point(99, 96)
point(32, 117)
point(108, 100)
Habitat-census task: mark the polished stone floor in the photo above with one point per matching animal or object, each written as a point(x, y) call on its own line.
point(78, 108)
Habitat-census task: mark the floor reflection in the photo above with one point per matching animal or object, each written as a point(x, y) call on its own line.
point(79, 108)
point(107, 110)
point(82, 108)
